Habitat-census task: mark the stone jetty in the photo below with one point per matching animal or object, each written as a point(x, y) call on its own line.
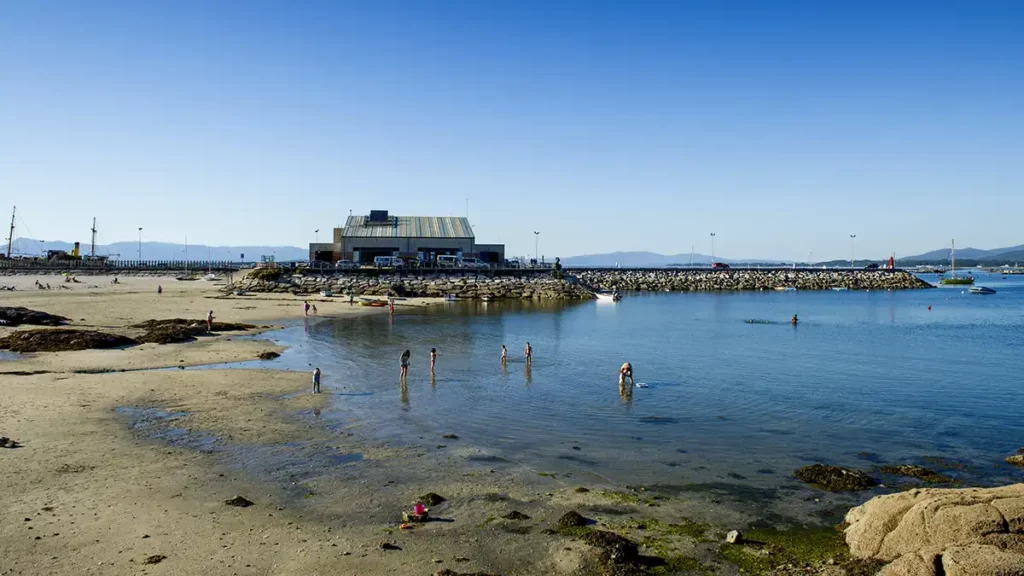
point(575, 284)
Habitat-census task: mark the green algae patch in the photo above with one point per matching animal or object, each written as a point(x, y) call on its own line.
point(764, 551)
point(681, 564)
point(685, 527)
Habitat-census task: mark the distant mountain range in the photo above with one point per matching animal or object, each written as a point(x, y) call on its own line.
point(166, 251)
point(647, 260)
point(1011, 253)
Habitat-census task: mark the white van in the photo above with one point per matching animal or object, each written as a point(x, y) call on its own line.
point(445, 261)
point(388, 262)
point(474, 263)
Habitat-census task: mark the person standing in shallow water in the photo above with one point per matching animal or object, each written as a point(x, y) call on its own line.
point(316, 380)
point(626, 372)
point(504, 354)
point(404, 362)
point(305, 307)
point(433, 358)
point(528, 353)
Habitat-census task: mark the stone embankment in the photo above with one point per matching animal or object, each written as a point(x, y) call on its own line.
point(577, 284)
point(465, 286)
point(747, 279)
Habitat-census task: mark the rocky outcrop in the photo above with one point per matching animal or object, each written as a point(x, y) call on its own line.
point(748, 279)
point(934, 531)
point(15, 316)
point(57, 340)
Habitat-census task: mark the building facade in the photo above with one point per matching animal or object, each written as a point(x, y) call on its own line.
point(421, 238)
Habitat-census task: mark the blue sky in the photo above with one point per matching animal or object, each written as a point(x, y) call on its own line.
point(783, 127)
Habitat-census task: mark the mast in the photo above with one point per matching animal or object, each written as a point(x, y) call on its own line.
point(186, 255)
point(952, 257)
point(92, 248)
point(10, 239)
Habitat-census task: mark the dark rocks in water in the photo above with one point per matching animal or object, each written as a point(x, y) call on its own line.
point(582, 490)
point(17, 315)
point(239, 501)
point(268, 355)
point(515, 515)
point(1016, 459)
point(920, 472)
point(58, 340)
point(834, 478)
point(572, 519)
point(450, 437)
point(6, 442)
point(154, 559)
point(186, 323)
point(431, 499)
point(614, 548)
point(388, 545)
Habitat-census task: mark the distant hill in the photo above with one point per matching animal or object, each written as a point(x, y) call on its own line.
point(966, 254)
point(646, 260)
point(166, 250)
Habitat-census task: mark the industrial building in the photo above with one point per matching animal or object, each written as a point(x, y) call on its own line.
point(419, 238)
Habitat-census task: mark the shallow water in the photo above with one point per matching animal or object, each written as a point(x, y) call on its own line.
point(866, 378)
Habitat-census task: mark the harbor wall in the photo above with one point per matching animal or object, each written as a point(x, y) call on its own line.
point(577, 283)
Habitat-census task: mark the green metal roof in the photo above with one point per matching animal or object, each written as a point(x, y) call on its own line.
point(409, 227)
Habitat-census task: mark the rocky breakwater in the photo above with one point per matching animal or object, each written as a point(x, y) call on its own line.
point(747, 279)
point(463, 286)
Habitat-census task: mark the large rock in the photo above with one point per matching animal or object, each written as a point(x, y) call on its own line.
point(933, 531)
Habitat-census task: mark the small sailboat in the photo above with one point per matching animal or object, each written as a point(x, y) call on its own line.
point(953, 280)
point(608, 296)
point(980, 290)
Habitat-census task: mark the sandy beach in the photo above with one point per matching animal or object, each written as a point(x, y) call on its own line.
point(127, 462)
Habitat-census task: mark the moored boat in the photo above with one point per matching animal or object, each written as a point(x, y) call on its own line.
point(981, 290)
point(608, 296)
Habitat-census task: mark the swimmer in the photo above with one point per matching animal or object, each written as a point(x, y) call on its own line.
point(626, 371)
point(404, 361)
point(794, 320)
point(528, 353)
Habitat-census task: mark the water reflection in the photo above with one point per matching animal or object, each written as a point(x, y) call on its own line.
point(528, 371)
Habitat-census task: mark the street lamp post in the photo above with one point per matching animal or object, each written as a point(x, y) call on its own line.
point(536, 246)
point(712, 249)
point(140, 243)
point(852, 238)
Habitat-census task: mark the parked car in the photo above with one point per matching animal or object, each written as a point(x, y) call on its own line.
point(346, 265)
point(474, 263)
point(446, 261)
point(513, 263)
point(720, 266)
point(388, 262)
point(317, 265)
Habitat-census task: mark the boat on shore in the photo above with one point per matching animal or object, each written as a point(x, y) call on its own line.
point(980, 290)
point(373, 303)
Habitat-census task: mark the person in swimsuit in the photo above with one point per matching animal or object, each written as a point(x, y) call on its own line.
point(433, 358)
point(404, 361)
point(626, 371)
point(528, 352)
point(305, 307)
point(314, 309)
point(316, 380)
point(504, 354)
point(209, 321)
point(159, 289)
point(794, 320)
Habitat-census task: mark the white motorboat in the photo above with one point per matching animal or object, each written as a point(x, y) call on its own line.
point(608, 296)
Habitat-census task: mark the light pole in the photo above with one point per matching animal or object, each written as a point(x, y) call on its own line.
point(852, 238)
point(712, 249)
point(536, 246)
point(140, 243)
point(317, 232)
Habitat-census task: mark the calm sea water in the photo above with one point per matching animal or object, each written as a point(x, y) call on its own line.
point(727, 400)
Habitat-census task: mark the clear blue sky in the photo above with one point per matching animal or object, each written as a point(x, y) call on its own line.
point(781, 126)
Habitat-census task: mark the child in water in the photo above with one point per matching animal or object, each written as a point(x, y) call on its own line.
point(404, 361)
point(316, 380)
point(433, 358)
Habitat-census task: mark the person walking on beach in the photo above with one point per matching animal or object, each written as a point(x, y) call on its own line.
point(314, 309)
point(159, 289)
point(528, 352)
point(504, 354)
point(316, 380)
point(626, 371)
point(433, 358)
point(305, 307)
point(209, 321)
point(404, 362)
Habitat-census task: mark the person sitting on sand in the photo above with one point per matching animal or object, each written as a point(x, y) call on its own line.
point(504, 354)
point(433, 358)
point(626, 371)
point(209, 321)
point(404, 361)
point(316, 380)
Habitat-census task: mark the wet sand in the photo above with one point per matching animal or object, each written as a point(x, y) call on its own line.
point(124, 466)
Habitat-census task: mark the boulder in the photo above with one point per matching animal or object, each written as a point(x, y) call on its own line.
point(834, 478)
point(933, 531)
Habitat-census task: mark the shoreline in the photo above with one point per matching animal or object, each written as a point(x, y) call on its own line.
point(121, 467)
